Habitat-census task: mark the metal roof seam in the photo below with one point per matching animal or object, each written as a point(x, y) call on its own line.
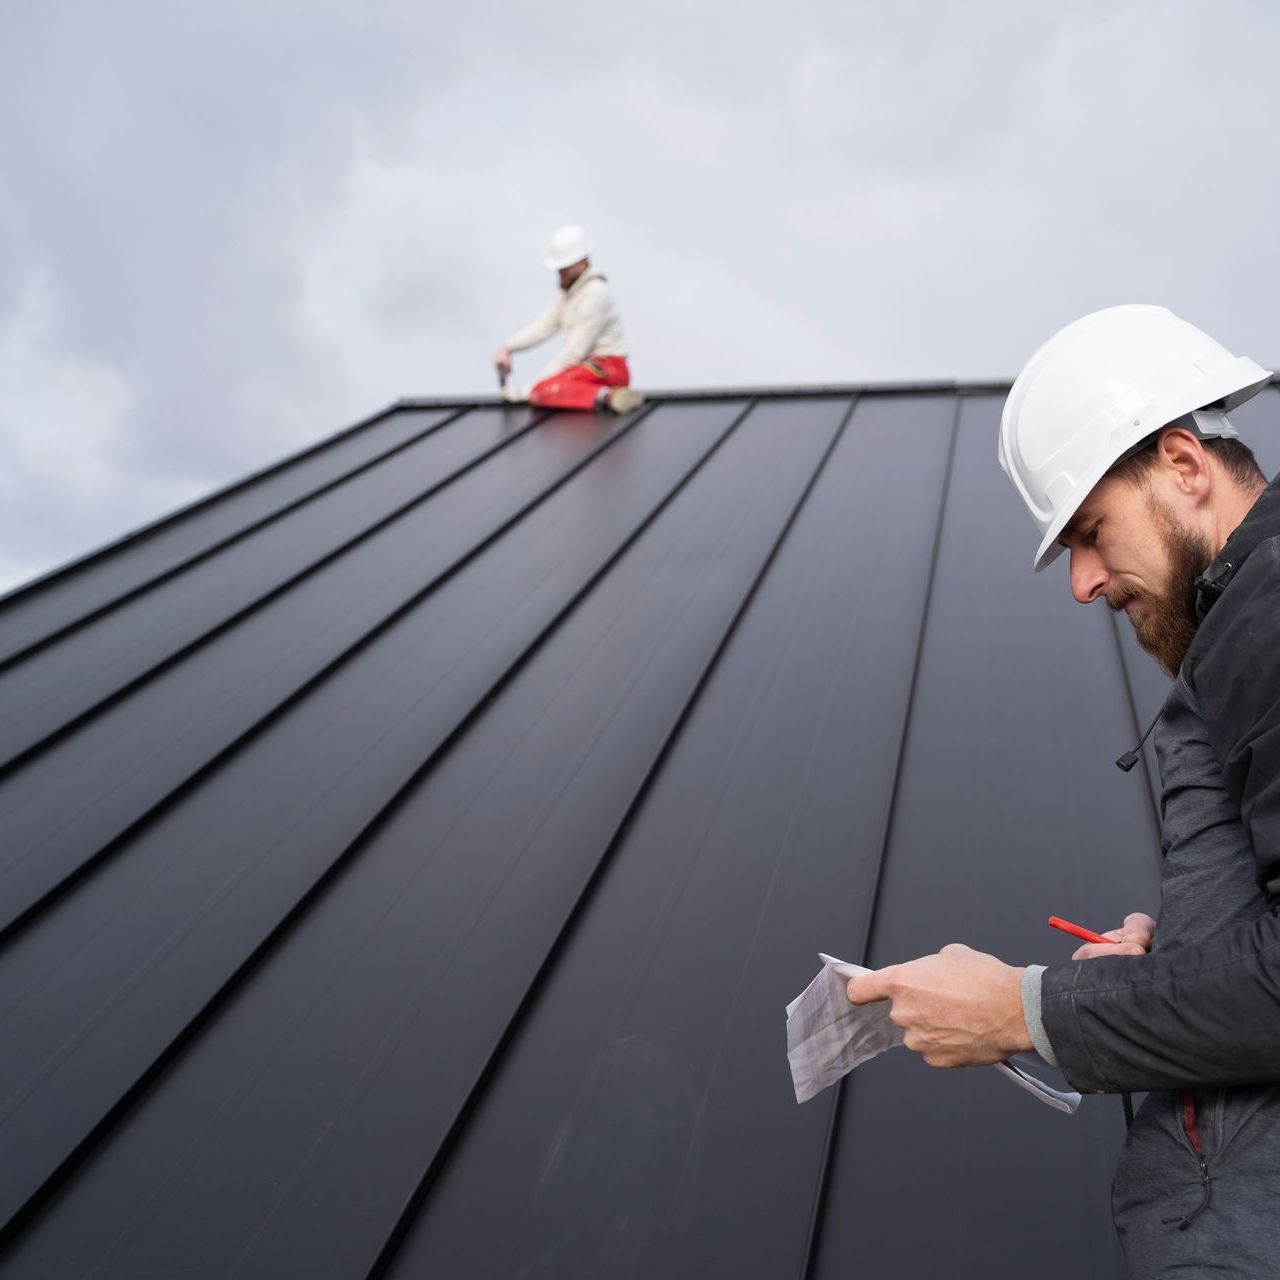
point(87, 714)
point(814, 1243)
point(13, 659)
point(25, 916)
point(413, 1206)
point(922, 631)
point(291, 918)
point(295, 914)
point(422, 1193)
point(237, 486)
point(818, 471)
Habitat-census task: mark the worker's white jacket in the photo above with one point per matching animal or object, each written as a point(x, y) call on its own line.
point(587, 315)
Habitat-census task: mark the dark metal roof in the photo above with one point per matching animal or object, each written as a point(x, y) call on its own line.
point(408, 852)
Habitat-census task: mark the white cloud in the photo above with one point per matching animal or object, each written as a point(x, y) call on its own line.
point(65, 426)
point(258, 221)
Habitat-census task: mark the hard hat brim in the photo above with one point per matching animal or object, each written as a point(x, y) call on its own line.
point(559, 264)
point(1050, 549)
point(1047, 555)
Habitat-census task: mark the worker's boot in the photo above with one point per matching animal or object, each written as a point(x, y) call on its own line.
point(515, 395)
point(622, 400)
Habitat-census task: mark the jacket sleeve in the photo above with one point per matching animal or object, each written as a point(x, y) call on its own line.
point(538, 330)
point(1205, 1013)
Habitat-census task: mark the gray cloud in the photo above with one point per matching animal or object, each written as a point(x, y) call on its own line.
point(227, 230)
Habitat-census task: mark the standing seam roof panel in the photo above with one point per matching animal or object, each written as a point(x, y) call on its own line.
point(190, 717)
point(728, 523)
point(66, 597)
point(125, 646)
point(410, 850)
point(660, 1032)
point(304, 795)
point(1009, 809)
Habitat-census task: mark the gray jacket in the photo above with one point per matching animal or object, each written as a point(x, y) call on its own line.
point(1197, 1190)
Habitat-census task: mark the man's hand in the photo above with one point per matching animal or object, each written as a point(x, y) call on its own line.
point(960, 1008)
point(1133, 938)
point(502, 362)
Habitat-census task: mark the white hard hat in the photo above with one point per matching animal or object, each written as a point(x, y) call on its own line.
point(568, 245)
point(1100, 387)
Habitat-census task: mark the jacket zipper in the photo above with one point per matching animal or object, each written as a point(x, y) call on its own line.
point(1191, 1127)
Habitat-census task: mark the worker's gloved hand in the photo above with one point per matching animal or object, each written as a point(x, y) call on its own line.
point(502, 362)
point(1133, 938)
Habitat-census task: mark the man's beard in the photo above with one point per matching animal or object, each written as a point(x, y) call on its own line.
point(1167, 626)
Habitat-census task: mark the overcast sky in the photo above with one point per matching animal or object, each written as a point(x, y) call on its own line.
point(227, 230)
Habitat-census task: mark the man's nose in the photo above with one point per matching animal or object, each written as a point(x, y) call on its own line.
point(1088, 577)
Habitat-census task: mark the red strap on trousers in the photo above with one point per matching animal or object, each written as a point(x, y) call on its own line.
point(577, 386)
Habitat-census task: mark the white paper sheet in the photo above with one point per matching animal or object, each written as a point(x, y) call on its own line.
point(827, 1037)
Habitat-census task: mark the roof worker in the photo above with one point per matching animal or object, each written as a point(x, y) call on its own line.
point(591, 370)
point(1117, 438)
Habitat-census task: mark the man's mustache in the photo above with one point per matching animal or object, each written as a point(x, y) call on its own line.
point(1120, 596)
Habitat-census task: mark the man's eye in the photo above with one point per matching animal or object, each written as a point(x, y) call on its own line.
point(1091, 537)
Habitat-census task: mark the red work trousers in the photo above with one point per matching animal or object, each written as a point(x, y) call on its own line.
point(577, 386)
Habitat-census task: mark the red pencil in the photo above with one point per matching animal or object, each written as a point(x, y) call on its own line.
point(1056, 922)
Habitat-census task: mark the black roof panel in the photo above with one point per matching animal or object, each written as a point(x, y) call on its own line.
point(408, 852)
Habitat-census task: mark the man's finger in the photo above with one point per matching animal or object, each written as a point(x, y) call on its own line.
point(1091, 950)
point(867, 988)
point(1129, 949)
point(939, 1058)
point(1139, 928)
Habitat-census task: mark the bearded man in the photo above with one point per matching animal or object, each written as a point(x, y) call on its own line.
point(1116, 437)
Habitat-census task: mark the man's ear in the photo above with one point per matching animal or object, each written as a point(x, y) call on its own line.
point(1182, 457)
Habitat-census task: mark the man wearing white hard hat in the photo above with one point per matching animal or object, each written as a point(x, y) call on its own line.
point(1117, 438)
point(591, 370)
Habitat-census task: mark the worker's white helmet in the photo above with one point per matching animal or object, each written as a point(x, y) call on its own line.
point(1099, 388)
point(568, 245)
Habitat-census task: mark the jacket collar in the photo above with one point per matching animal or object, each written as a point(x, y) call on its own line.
point(581, 282)
point(1262, 522)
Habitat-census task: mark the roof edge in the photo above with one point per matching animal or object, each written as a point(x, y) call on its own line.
point(151, 527)
point(420, 403)
point(813, 391)
point(678, 395)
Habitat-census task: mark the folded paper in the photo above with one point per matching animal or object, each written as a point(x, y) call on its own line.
point(827, 1037)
